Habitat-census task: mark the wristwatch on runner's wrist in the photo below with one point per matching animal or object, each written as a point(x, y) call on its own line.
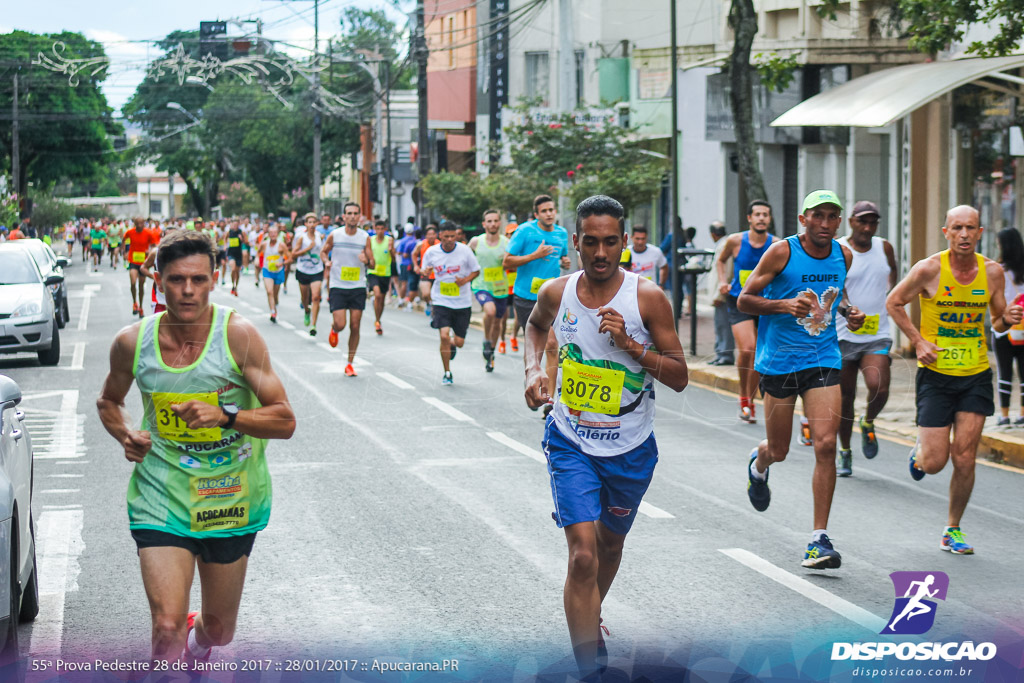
point(231, 412)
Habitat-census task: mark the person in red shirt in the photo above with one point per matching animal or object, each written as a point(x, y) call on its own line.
point(16, 234)
point(140, 240)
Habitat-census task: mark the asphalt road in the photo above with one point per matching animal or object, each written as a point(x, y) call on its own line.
point(411, 523)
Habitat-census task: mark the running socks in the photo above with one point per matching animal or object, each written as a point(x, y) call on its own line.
point(816, 535)
point(193, 646)
point(760, 476)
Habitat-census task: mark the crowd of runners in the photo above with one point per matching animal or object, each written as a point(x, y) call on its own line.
point(809, 314)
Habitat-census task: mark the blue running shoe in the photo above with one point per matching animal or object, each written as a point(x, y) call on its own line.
point(426, 310)
point(917, 474)
point(447, 379)
point(953, 541)
point(844, 466)
point(758, 492)
point(868, 440)
point(821, 555)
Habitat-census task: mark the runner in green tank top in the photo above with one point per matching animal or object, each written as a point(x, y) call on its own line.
point(490, 288)
point(200, 488)
point(379, 279)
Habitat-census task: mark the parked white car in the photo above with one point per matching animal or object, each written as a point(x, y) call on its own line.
point(28, 321)
point(19, 589)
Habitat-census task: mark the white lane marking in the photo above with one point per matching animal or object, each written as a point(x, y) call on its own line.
point(72, 462)
point(413, 330)
point(77, 358)
point(60, 491)
point(59, 535)
point(506, 440)
point(327, 347)
point(65, 476)
point(843, 608)
point(447, 409)
point(56, 434)
point(249, 307)
point(400, 383)
point(653, 511)
point(83, 315)
point(303, 334)
point(286, 325)
point(73, 506)
point(92, 288)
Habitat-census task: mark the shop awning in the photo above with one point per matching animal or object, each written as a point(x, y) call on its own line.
point(877, 99)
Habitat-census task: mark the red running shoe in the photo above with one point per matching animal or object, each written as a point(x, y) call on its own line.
point(515, 345)
point(332, 339)
point(377, 328)
point(135, 308)
point(350, 371)
point(189, 657)
point(501, 347)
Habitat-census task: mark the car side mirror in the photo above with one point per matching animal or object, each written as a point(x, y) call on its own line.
point(63, 261)
point(54, 279)
point(10, 392)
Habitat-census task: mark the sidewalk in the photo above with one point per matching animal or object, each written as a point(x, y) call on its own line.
point(998, 444)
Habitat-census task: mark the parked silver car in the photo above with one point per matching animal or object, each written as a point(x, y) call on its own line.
point(28, 319)
point(19, 588)
point(50, 264)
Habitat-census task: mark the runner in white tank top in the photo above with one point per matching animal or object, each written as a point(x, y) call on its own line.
point(615, 337)
point(872, 274)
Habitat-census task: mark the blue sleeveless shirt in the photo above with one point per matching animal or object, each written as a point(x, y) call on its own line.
point(786, 344)
point(746, 261)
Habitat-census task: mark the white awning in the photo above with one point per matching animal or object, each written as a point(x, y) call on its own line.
point(877, 99)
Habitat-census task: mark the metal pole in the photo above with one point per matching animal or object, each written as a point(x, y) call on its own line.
point(378, 133)
point(566, 58)
point(387, 161)
point(423, 139)
point(15, 147)
point(673, 204)
point(170, 194)
point(317, 121)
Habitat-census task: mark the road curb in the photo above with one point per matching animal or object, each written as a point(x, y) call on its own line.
point(1000, 448)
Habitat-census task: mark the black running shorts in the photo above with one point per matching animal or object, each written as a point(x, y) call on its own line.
point(796, 383)
point(940, 397)
point(222, 550)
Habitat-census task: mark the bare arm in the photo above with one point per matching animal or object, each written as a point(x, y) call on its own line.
point(890, 256)
point(771, 264)
point(110, 404)
point(536, 332)
point(665, 361)
point(1004, 314)
point(510, 262)
point(147, 267)
point(325, 251)
point(663, 275)
point(920, 277)
point(721, 265)
point(274, 418)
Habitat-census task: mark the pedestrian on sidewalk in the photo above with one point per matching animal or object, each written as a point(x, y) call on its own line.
point(1009, 345)
point(724, 343)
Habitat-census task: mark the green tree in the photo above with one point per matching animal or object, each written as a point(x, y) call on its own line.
point(459, 197)
point(934, 25)
point(48, 211)
point(587, 150)
point(64, 129)
point(239, 199)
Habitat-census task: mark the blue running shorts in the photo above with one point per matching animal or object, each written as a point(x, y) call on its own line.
point(587, 488)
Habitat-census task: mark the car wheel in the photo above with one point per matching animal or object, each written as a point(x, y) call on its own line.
point(51, 356)
point(9, 651)
point(66, 310)
point(30, 597)
point(58, 310)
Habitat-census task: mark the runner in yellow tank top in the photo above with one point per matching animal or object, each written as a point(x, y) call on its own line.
point(954, 382)
point(193, 345)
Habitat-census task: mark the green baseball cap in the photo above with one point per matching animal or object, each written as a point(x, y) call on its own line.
point(819, 197)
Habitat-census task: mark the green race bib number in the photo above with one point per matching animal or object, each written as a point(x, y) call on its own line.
point(495, 274)
point(536, 284)
point(744, 274)
point(958, 354)
point(870, 325)
point(233, 242)
point(172, 427)
point(449, 289)
point(590, 389)
point(138, 256)
point(350, 273)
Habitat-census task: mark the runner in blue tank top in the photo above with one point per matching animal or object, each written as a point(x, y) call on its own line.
point(746, 248)
point(797, 289)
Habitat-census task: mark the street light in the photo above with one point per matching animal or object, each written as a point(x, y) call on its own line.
point(186, 112)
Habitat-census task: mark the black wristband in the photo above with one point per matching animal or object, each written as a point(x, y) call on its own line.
point(843, 310)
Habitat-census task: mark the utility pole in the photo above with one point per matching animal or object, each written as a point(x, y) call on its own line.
point(170, 193)
point(423, 139)
point(673, 202)
point(15, 148)
point(387, 161)
point(317, 120)
point(566, 58)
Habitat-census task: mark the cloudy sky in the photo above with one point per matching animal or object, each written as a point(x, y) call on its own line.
point(125, 26)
